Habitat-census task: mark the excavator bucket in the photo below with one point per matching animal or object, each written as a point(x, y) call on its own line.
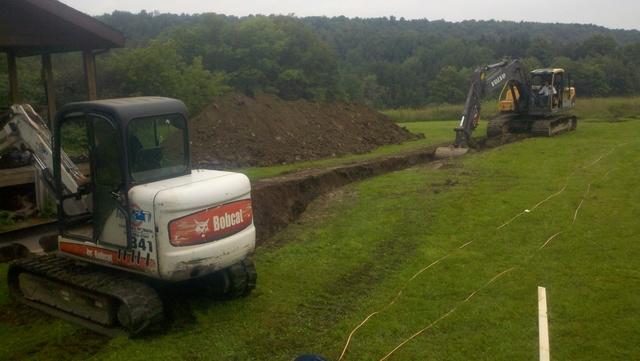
point(450, 152)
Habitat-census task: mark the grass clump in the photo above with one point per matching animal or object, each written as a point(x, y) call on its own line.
point(608, 109)
point(437, 112)
point(7, 218)
point(612, 109)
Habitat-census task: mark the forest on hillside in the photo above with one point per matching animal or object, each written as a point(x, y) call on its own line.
point(382, 62)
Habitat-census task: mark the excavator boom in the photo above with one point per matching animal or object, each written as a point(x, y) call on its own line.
point(488, 80)
point(27, 130)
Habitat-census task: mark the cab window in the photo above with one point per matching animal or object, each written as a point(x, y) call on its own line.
point(157, 147)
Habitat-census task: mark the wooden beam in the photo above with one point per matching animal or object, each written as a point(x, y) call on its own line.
point(89, 60)
point(27, 175)
point(49, 88)
point(17, 176)
point(14, 96)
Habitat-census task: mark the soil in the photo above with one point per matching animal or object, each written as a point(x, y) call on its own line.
point(237, 130)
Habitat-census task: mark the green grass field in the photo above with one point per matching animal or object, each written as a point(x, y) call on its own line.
point(610, 109)
point(437, 112)
point(354, 250)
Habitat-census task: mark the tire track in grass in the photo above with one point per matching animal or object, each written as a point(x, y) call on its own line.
point(394, 300)
point(403, 287)
point(452, 310)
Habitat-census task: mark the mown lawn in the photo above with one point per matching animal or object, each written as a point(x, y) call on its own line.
point(355, 249)
point(611, 108)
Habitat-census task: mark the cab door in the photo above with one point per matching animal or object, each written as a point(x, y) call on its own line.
point(111, 225)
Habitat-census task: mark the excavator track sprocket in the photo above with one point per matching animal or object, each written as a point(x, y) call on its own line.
point(498, 126)
point(107, 301)
point(236, 281)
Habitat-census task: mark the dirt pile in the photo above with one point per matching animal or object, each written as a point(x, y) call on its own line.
point(237, 130)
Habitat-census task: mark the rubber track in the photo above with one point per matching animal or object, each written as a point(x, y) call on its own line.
point(496, 126)
point(144, 304)
point(552, 127)
point(242, 277)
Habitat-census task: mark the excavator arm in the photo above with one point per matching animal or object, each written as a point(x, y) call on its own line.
point(26, 130)
point(488, 80)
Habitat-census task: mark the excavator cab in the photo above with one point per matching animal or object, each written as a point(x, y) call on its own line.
point(122, 143)
point(551, 91)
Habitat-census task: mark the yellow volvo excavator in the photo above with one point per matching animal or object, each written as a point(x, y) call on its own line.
point(537, 102)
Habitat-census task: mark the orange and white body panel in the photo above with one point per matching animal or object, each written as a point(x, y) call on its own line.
point(181, 228)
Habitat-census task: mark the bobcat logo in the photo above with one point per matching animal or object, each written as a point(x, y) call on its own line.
point(202, 227)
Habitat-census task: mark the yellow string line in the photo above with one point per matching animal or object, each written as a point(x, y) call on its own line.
point(534, 207)
point(445, 315)
point(418, 333)
point(551, 196)
point(596, 161)
point(606, 154)
point(344, 350)
point(512, 219)
point(549, 240)
point(607, 174)
point(366, 319)
point(425, 268)
point(575, 214)
point(464, 245)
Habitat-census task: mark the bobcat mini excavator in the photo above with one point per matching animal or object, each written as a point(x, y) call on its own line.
point(537, 102)
point(140, 218)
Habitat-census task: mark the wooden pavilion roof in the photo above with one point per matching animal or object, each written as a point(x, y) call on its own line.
point(34, 27)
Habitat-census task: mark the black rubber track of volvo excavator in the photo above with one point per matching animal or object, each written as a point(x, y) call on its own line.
point(553, 126)
point(499, 126)
point(546, 127)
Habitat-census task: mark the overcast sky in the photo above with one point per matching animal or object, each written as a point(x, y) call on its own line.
point(610, 13)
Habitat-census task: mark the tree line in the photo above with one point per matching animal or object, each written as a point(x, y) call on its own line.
point(382, 62)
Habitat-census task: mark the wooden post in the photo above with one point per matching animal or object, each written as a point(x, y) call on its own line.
point(49, 89)
point(543, 324)
point(14, 97)
point(89, 60)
